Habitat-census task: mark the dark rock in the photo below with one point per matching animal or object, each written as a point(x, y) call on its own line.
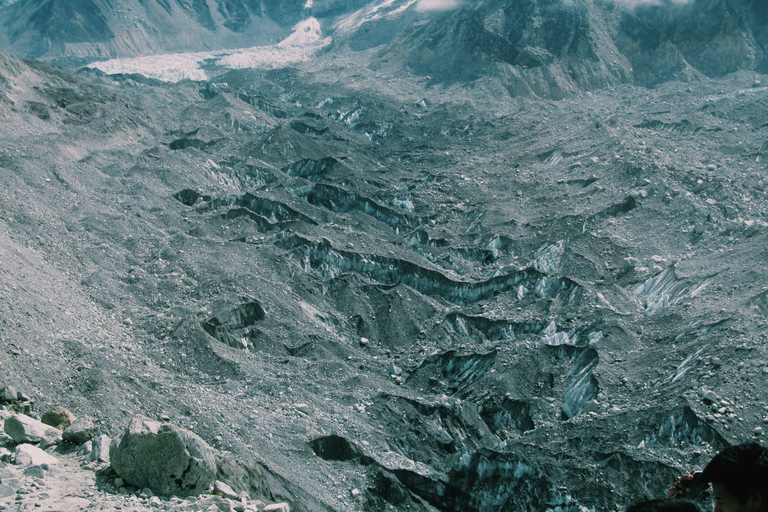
point(80, 431)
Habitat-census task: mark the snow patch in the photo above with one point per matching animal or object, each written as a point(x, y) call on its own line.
point(304, 33)
point(173, 67)
point(372, 12)
point(437, 5)
point(304, 41)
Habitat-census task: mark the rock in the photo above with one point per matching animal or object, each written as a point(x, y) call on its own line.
point(223, 489)
point(100, 449)
point(28, 455)
point(629, 263)
point(208, 504)
point(58, 417)
point(710, 396)
point(35, 472)
point(9, 394)
point(758, 431)
point(80, 431)
point(393, 369)
point(591, 406)
point(5, 455)
point(24, 429)
point(85, 448)
point(699, 229)
point(278, 507)
point(167, 459)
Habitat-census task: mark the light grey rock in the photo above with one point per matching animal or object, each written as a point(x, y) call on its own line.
point(220, 487)
point(100, 449)
point(5, 455)
point(29, 455)
point(80, 431)
point(278, 507)
point(85, 448)
point(24, 429)
point(167, 459)
point(629, 263)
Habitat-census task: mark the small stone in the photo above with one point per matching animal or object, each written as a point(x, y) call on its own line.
point(58, 417)
point(119, 482)
point(363, 342)
point(155, 502)
point(303, 408)
point(5, 454)
point(758, 431)
point(356, 492)
point(699, 229)
point(394, 370)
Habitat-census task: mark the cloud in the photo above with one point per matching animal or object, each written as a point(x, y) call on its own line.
point(437, 5)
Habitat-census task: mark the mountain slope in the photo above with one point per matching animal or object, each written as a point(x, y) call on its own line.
point(385, 296)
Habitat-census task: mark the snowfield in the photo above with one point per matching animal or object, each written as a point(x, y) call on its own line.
point(304, 41)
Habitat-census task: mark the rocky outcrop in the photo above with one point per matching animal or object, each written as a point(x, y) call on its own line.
point(162, 457)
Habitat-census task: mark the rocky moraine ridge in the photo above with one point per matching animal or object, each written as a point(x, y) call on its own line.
point(372, 282)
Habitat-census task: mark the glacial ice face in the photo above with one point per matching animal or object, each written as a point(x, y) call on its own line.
point(547, 259)
point(664, 290)
point(582, 385)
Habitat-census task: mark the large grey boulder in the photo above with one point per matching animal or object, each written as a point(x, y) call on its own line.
point(24, 429)
point(167, 459)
